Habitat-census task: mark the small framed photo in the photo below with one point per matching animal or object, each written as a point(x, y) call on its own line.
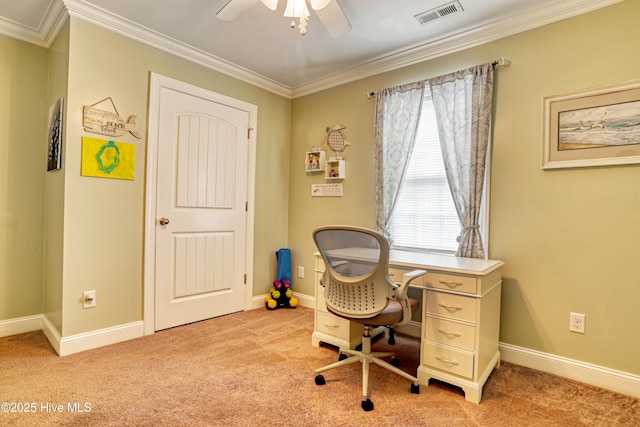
point(594, 127)
point(54, 156)
point(314, 161)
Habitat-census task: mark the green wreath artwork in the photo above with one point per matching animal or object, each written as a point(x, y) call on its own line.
point(116, 158)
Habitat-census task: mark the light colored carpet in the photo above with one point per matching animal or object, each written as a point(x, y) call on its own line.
point(256, 368)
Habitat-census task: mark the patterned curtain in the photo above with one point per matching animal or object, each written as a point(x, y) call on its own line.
point(463, 103)
point(396, 123)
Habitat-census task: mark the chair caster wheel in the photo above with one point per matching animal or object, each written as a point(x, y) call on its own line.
point(395, 362)
point(343, 356)
point(367, 405)
point(415, 388)
point(319, 380)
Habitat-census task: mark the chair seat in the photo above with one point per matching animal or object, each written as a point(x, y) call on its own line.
point(391, 315)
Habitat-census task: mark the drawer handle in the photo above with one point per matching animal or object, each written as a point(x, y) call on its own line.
point(450, 283)
point(328, 326)
point(445, 360)
point(450, 307)
point(449, 333)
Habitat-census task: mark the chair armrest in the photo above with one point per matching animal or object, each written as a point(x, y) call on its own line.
point(401, 294)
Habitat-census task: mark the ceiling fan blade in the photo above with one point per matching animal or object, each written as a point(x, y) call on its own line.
point(271, 4)
point(319, 4)
point(333, 18)
point(234, 8)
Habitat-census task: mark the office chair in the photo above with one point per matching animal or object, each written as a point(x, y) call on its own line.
point(358, 288)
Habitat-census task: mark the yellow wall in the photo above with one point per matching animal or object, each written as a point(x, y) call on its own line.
point(104, 218)
point(58, 66)
point(23, 156)
point(570, 238)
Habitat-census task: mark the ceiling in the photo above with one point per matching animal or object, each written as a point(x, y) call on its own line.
point(261, 48)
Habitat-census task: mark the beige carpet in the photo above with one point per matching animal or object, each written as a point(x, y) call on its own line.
point(256, 369)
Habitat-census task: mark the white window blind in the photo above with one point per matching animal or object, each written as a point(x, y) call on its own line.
point(425, 217)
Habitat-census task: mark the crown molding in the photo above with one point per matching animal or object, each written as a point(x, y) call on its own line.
point(535, 17)
point(43, 36)
point(95, 15)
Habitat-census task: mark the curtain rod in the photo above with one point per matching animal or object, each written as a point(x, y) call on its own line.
point(502, 62)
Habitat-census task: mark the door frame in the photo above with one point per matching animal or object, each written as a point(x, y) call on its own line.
point(157, 82)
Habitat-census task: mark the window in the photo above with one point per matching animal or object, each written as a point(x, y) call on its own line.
point(425, 217)
point(413, 205)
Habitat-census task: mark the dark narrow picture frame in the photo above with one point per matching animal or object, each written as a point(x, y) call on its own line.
point(54, 156)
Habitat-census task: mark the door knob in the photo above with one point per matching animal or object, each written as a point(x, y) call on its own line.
point(163, 221)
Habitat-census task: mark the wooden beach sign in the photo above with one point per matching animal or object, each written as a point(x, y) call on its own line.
point(106, 122)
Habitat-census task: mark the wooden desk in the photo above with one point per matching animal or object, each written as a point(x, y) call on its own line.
point(460, 317)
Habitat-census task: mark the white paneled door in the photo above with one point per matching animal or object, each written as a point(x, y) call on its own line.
point(201, 207)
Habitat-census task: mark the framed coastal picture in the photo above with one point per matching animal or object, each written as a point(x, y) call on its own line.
point(594, 127)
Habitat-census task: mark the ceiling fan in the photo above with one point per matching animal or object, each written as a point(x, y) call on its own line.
point(328, 11)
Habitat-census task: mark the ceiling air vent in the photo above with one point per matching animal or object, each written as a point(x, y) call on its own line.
point(439, 12)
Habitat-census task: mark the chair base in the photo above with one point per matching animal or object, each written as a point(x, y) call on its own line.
point(367, 357)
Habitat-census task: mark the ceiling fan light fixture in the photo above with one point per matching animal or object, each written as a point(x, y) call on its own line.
point(296, 9)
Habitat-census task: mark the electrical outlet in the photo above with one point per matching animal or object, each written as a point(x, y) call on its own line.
point(89, 299)
point(576, 322)
point(300, 272)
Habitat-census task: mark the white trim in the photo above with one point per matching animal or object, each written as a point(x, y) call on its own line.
point(535, 17)
point(90, 340)
point(100, 338)
point(51, 333)
point(599, 376)
point(105, 19)
point(303, 301)
point(157, 82)
point(20, 325)
point(413, 329)
point(43, 36)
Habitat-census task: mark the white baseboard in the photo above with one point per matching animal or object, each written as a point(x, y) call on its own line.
point(90, 340)
point(599, 376)
point(52, 334)
point(101, 337)
point(20, 325)
point(412, 329)
point(303, 301)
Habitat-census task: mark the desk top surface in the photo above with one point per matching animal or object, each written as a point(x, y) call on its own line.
point(447, 263)
point(450, 263)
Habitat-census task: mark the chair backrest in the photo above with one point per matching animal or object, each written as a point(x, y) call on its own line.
point(356, 276)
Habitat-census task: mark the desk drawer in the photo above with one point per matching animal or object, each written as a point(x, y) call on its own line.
point(458, 362)
point(451, 282)
point(452, 306)
point(455, 334)
point(331, 325)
